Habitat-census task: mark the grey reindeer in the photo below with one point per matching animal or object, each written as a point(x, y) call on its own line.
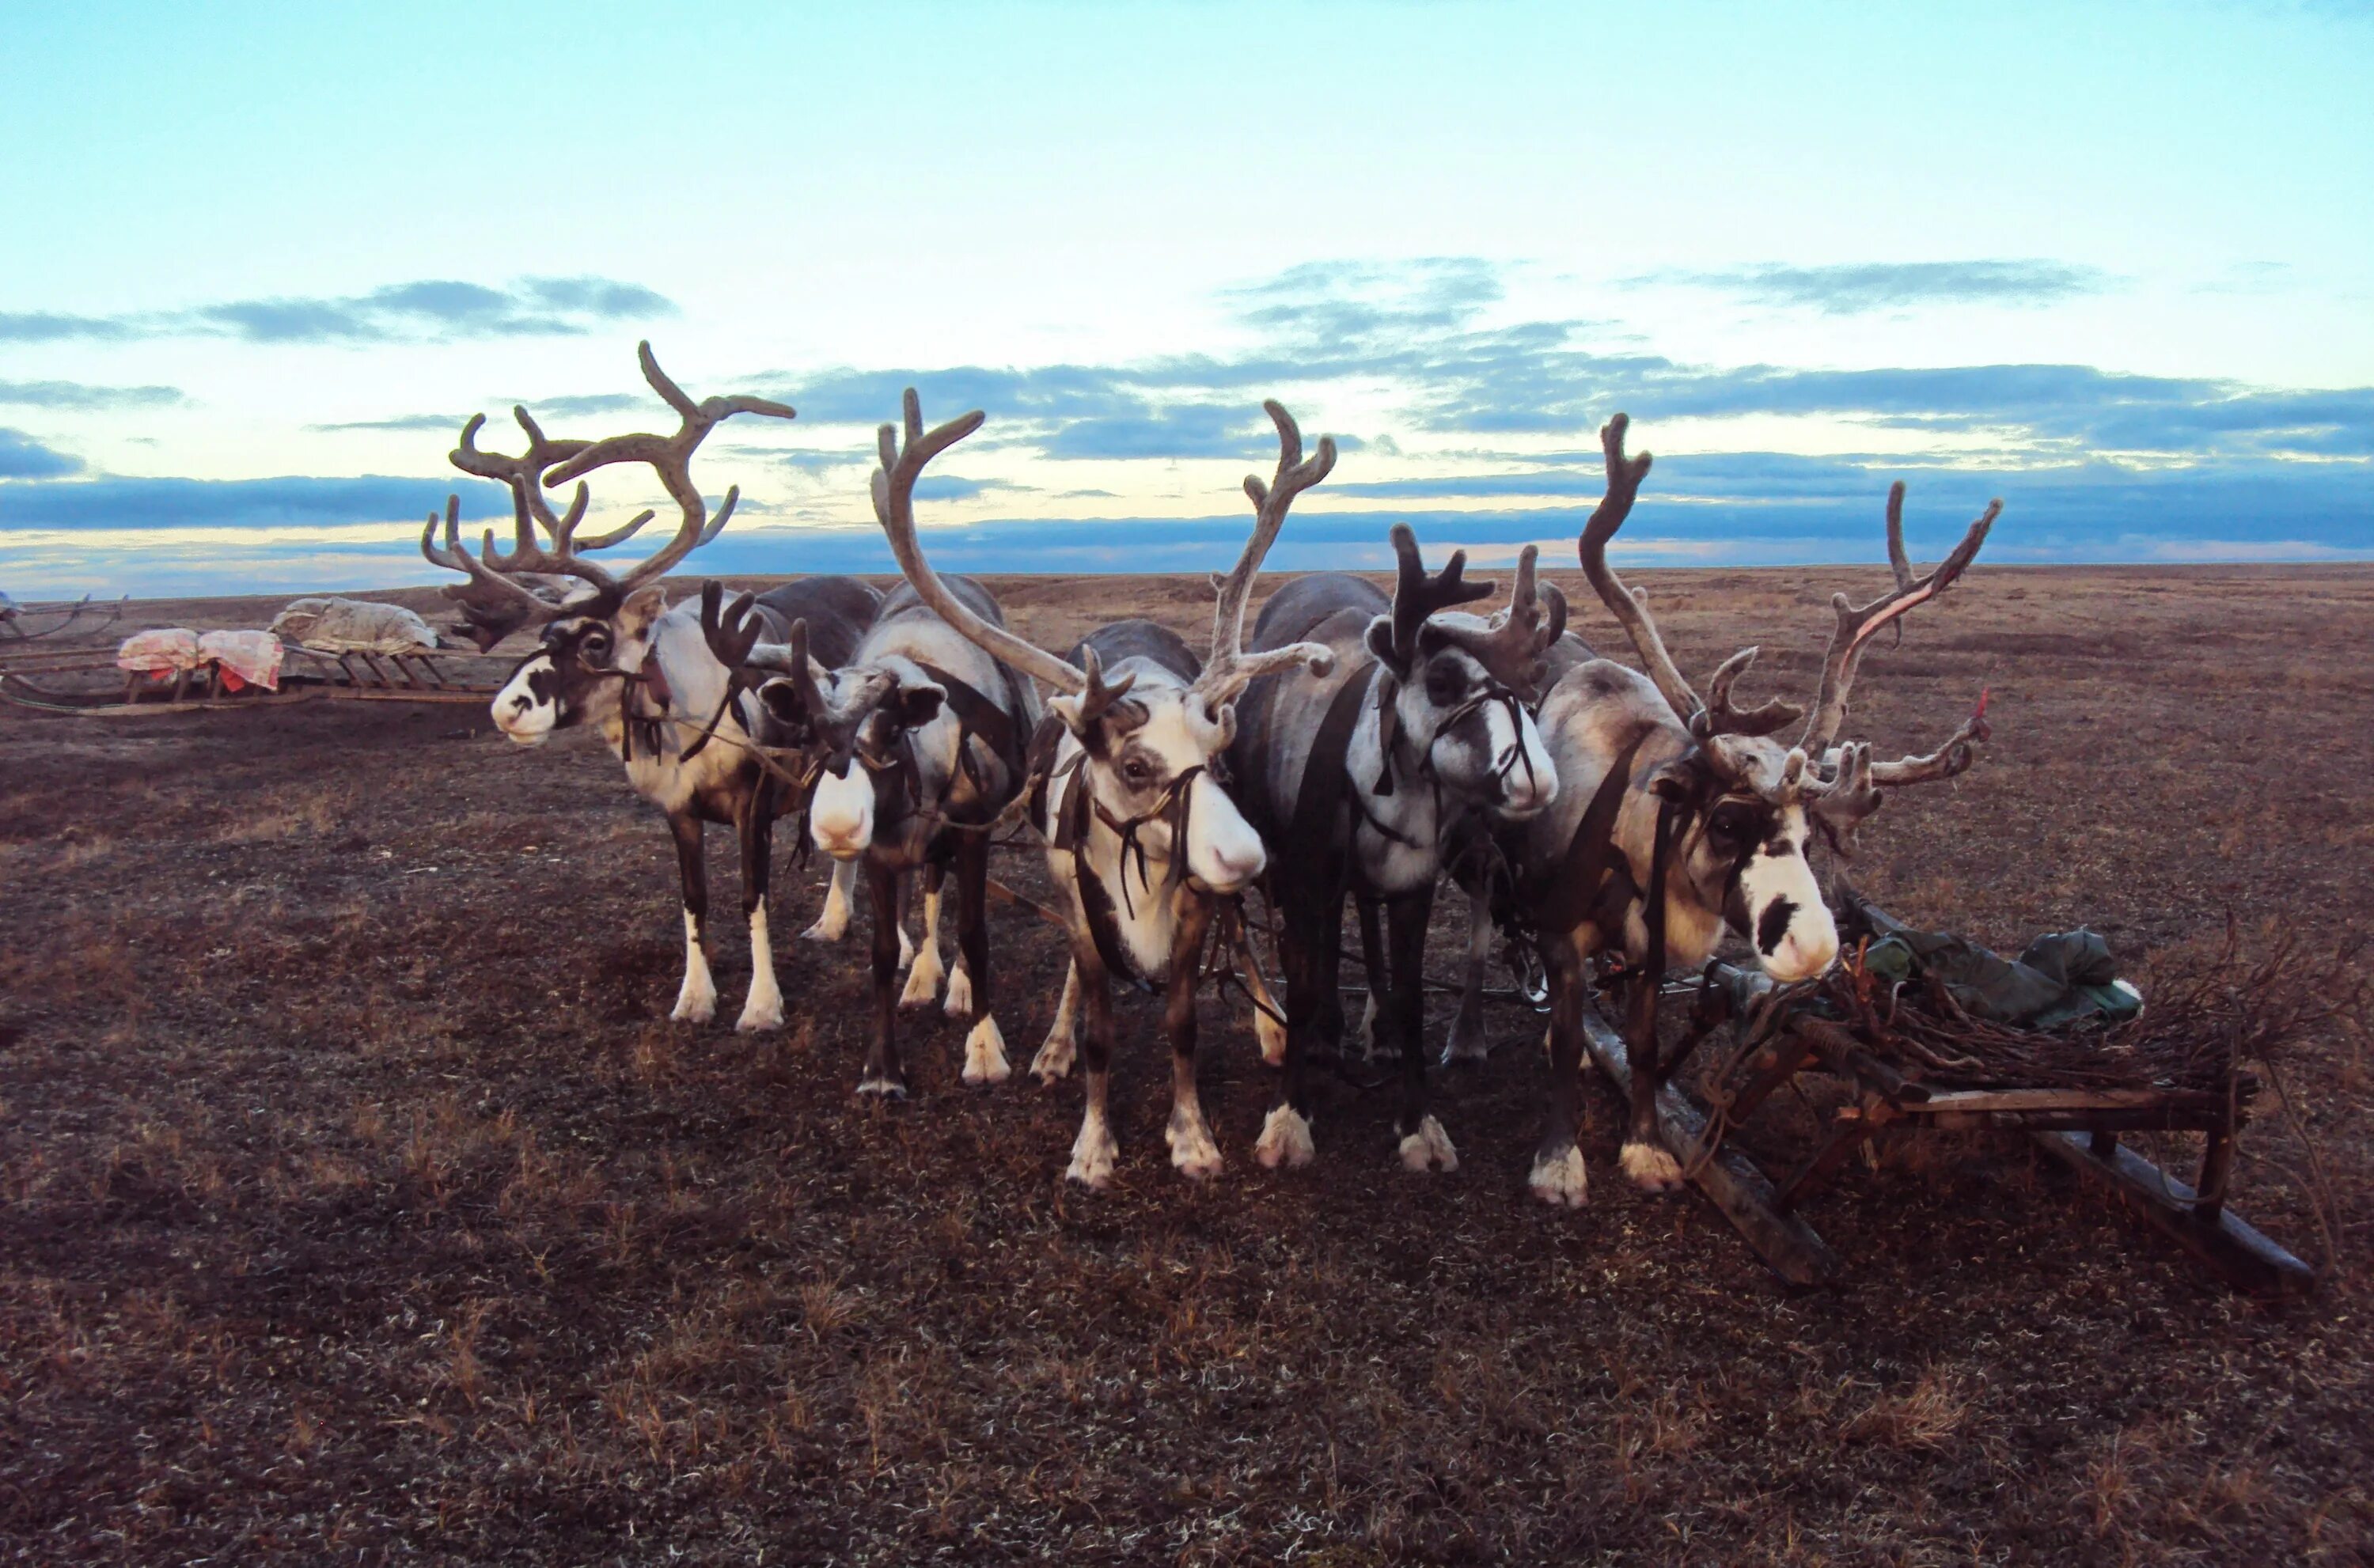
point(1144, 841)
point(613, 655)
point(1355, 779)
point(1664, 789)
point(916, 747)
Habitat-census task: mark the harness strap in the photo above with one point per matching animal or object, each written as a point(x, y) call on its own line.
point(1326, 780)
point(1072, 834)
point(1574, 891)
point(979, 715)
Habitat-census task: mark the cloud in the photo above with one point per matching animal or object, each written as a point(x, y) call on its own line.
point(583, 404)
point(21, 457)
point(428, 310)
point(48, 326)
point(408, 422)
point(259, 505)
point(1880, 286)
point(76, 395)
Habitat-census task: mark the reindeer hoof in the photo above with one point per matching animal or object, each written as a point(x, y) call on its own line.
point(887, 1088)
point(1651, 1169)
point(695, 1009)
point(1193, 1152)
point(1284, 1140)
point(1428, 1148)
point(922, 980)
point(827, 928)
point(1470, 1043)
point(1270, 1036)
point(1053, 1062)
point(959, 1002)
point(985, 1054)
point(1562, 1182)
point(1093, 1154)
point(757, 1016)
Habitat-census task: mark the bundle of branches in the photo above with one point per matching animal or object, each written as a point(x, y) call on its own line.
point(2207, 1015)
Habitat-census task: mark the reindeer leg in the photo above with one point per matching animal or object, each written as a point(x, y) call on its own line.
point(923, 980)
point(1469, 1040)
point(696, 1000)
point(1560, 1176)
point(959, 1002)
point(984, 1043)
point(1094, 1152)
point(1423, 1144)
point(833, 924)
point(1054, 1058)
point(1372, 966)
point(1310, 953)
point(1645, 1157)
point(1193, 1152)
point(883, 1074)
point(755, 826)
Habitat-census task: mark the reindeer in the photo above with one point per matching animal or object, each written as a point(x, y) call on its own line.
point(614, 655)
point(917, 752)
point(1695, 798)
point(1354, 782)
point(1141, 834)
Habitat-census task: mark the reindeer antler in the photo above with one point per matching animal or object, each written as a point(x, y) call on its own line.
point(1417, 595)
point(1631, 609)
point(670, 457)
point(1230, 668)
point(1858, 624)
point(894, 508)
point(1534, 617)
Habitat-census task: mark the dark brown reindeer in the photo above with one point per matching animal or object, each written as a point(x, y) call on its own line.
point(1356, 781)
point(613, 655)
point(1663, 790)
point(917, 749)
point(1143, 838)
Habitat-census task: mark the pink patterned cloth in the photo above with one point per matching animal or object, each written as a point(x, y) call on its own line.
point(161, 652)
point(248, 659)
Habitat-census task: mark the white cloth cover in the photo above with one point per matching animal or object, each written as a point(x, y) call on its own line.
point(162, 651)
point(251, 659)
point(353, 625)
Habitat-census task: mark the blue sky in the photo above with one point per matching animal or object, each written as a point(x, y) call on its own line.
point(2118, 268)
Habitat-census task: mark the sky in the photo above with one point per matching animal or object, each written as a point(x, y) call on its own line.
point(2112, 263)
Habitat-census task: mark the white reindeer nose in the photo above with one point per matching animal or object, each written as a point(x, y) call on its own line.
point(841, 816)
point(1235, 865)
point(1802, 957)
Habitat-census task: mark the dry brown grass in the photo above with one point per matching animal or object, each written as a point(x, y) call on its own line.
point(357, 1203)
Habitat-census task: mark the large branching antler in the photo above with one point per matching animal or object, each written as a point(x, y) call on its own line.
point(1858, 624)
point(511, 589)
point(1630, 610)
point(1230, 668)
point(894, 508)
point(670, 457)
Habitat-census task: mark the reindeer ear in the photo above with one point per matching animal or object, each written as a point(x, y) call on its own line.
point(643, 607)
point(1675, 779)
point(919, 704)
point(1380, 644)
point(780, 697)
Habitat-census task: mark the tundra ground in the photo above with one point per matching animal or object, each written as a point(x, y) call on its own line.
point(358, 1201)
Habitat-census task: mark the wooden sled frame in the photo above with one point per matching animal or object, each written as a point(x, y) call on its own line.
point(309, 676)
point(2078, 1127)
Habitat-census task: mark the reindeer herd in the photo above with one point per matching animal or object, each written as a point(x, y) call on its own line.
point(1611, 825)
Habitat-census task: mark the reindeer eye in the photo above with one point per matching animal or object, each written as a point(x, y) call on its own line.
point(1135, 772)
point(1734, 824)
point(1445, 683)
point(596, 644)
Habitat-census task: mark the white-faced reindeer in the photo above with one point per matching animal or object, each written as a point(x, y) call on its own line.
point(918, 741)
point(1142, 837)
point(1356, 781)
point(1665, 790)
point(613, 655)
